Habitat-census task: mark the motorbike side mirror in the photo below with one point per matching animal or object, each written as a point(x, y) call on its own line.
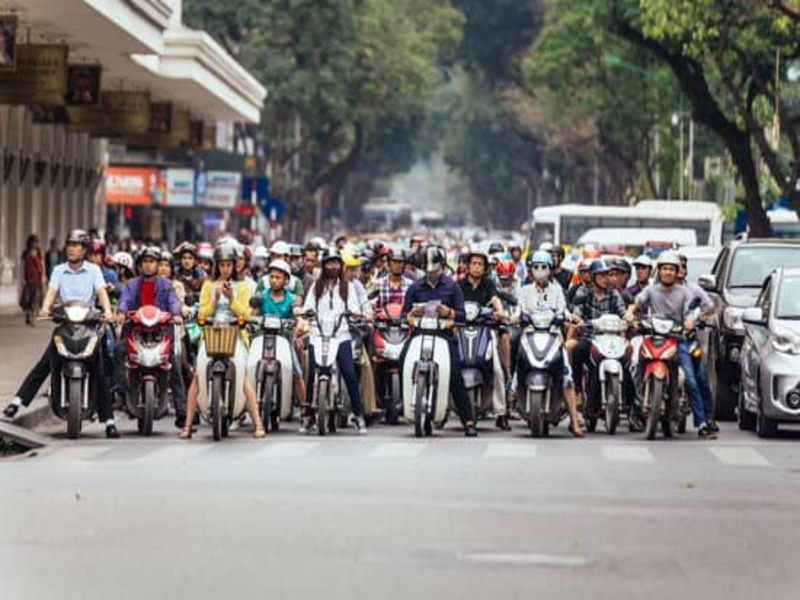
point(255, 301)
point(373, 295)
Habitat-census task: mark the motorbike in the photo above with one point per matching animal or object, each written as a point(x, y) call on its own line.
point(658, 355)
point(148, 348)
point(77, 338)
point(388, 338)
point(426, 374)
point(269, 368)
point(606, 355)
point(221, 361)
point(540, 402)
point(329, 401)
point(476, 349)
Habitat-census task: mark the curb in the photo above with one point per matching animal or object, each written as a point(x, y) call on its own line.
point(23, 436)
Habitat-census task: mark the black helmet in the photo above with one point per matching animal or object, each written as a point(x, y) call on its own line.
point(619, 264)
point(397, 254)
point(78, 236)
point(598, 266)
point(185, 248)
point(329, 254)
point(153, 252)
point(225, 252)
point(495, 248)
point(559, 250)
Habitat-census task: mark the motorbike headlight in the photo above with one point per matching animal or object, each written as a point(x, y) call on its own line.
point(76, 314)
point(784, 341)
point(732, 317)
point(662, 326)
point(64, 351)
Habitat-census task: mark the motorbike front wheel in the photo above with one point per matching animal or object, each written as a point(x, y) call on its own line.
point(393, 383)
point(216, 407)
point(537, 420)
point(148, 412)
point(323, 398)
point(420, 416)
point(613, 394)
point(656, 394)
point(269, 412)
point(75, 414)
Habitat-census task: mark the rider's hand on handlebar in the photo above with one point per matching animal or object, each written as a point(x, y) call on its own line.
point(44, 313)
point(443, 311)
point(177, 319)
point(108, 316)
point(688, 324)
point(120, 318)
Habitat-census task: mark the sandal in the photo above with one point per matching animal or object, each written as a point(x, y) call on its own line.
point(260, 433)
point(185, 434)
point(575, 430)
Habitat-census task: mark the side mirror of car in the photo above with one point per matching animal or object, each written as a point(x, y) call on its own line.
point(707, 282)
point(753, 316)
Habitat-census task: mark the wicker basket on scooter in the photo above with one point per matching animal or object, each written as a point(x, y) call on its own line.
point(220, 341)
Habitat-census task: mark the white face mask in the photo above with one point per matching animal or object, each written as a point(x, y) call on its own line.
point(540, 275)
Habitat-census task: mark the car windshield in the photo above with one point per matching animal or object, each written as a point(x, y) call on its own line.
point(699, 266)
point(752, 265)
point(788, 301)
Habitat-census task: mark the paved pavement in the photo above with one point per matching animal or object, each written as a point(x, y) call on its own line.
point(389, 516)
point(20, 348)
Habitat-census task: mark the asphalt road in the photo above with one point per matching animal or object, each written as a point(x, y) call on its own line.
point(389, 516)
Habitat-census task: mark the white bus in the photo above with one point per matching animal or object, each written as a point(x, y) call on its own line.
point(566, 223)
point(385, 214)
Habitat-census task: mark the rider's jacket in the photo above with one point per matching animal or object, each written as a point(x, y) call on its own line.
point(331, 304)
point(592, 307)
point(531, 298)
point(388, 294)
point(164, 297)
point(482, 294)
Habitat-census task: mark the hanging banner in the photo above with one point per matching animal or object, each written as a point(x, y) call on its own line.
point(83, 85)
point(8, 36)
point(126, 113)
point(142, 186)
point(222, 189)
point(180, 187)
point(39, 77)
point(160, 117)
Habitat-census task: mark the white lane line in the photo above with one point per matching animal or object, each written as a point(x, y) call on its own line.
point(174, 454)
point(628, 453)
point(732, 456)
point(506, 450)
point(397, 450)
point(78, 453)
point(286, 449)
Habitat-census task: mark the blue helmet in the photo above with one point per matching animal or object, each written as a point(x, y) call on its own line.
point(599, 266)
point(540, 257)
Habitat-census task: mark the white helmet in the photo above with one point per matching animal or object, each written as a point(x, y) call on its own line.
point(643, 261)
point(282, 266)
point(668, 258)
point(260, 253)
point(280, 248)
point(123, 259)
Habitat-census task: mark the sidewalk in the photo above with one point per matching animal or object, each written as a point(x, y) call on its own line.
point(20, 348)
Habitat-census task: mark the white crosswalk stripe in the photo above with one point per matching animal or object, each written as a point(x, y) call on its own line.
point(627, 453)
point(397, 450)
point(509, 450)
point(79, 452)
point(178, 453)
point(739, 456)
point(287, 450)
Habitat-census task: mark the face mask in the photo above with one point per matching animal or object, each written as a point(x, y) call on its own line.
point(433, 277)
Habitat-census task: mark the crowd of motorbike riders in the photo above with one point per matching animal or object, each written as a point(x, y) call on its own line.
point(363, 286)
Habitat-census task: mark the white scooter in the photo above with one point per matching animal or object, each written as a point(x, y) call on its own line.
point(269, 368)
point(426, 374)
point(221, 361)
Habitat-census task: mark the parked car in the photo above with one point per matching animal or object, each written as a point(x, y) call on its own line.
point(734, 284)
point(769, 392)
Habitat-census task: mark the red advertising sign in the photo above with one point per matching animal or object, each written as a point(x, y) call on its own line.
point(134, 185)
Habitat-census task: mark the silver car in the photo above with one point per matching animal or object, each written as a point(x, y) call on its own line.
point(770, 360)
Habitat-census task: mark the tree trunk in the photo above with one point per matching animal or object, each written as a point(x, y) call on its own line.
point(742, 157)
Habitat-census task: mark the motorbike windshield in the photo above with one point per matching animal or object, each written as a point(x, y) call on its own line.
point(328, 325)
point(608, 324)
point(542, 319)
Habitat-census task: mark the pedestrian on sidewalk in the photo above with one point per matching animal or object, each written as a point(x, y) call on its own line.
point(33, 279)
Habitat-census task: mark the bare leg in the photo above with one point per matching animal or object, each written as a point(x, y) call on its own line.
point(191, 408)
point(574, 423)
point(251, 405)
point(299, 386)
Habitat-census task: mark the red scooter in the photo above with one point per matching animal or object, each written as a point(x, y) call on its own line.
point(658, 357)
point(388, 338)
point(149, 345)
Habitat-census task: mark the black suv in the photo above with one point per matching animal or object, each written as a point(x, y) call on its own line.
point(734, 284)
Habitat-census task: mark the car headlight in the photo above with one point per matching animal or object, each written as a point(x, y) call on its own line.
point(732, 317)
point(784, 341)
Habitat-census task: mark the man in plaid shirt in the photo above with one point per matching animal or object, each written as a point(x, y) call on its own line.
point(392, 288)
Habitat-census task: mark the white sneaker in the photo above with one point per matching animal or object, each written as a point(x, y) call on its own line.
point(358, 423)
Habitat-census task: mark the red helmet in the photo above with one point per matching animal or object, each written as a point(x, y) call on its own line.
point(97, 247)
point(506, 269)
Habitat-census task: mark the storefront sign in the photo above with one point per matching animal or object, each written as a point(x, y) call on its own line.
point(83, 85)
point(222, 189)
point(180, 187)
point(134, 186)
point(126, 113)
point(8, 35)
point(40, 76)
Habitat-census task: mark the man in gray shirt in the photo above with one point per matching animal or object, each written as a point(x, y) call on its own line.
point(667, 297)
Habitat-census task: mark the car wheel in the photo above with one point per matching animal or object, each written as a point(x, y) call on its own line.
point(746, 420)
point(722, 390)
point(765, 427)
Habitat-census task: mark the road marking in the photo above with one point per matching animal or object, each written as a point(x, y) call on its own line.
point(534, 559)
point(287, 449)
point(628, 453)
point(732, 456)
point(397, 450)
point(79, 453)
point(506, 450)
point(174, 454)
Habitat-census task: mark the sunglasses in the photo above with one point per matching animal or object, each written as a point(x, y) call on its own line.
point(540, 268)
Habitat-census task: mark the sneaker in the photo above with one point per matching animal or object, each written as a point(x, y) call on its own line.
point(358, 423)
point(470, 431)
point(306, 425)
point(11, 410)
point(635, 423)
point(704, 433)
point(502, 423)
point(111, 432)
point(712, 426)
